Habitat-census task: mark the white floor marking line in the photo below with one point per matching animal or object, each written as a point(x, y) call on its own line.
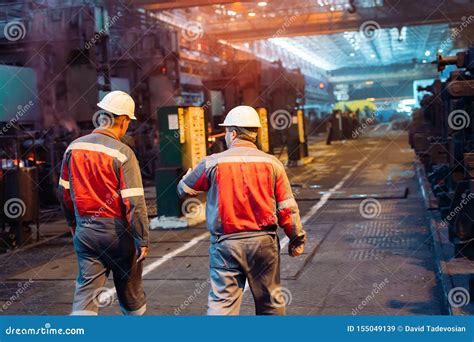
point(174, 253)
point(314, 209)
point(147, 269)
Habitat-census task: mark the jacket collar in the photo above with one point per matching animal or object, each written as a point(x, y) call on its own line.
point(105, 132)
point(243, 143)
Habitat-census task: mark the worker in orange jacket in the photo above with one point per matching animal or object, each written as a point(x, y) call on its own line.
point(102, 197)
point(248, 197)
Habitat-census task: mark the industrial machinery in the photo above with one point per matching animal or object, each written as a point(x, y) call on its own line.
point(54, 83)
point(278, 95)
point(19, 189)
point(182, 144)
point(443, 138)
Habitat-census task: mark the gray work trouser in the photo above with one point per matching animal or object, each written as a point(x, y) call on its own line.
point(233, 261)
point(101, 250)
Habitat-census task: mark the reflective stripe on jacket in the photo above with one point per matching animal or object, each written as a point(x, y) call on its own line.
point(101, 184)
point(247, 191)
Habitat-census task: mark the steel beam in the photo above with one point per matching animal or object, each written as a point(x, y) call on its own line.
point(154, 5)
point(320, 24)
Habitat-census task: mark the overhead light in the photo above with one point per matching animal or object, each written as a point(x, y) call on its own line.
point(251, 14)
point(440, 50)
point(230, 12)
point(262, 3)
point(372, 55)
point(369, 82)
point(352, 54)
point(370, 99)
point(427, 53)
point(424, 61)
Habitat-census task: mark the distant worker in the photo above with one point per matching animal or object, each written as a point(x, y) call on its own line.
point(102, 197)
point(329, 130)
point(248, 197)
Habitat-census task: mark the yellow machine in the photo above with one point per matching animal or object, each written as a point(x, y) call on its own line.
point(182, 144)
point(301, 128)
point(263, 141)
point(192, 135)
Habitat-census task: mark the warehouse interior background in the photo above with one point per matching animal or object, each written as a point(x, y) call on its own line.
point(367, 102)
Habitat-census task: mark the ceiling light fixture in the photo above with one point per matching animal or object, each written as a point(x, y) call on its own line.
point(262, 3)
point(251, 14)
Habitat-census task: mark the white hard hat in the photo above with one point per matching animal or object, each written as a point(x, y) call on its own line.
point(119, 103)
point(242, 116)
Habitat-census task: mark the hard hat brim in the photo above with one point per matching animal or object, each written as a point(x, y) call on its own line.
point(249, 126)
point(133, 117)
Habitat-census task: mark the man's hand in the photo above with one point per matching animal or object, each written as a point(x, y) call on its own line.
point(143, 252)
point(295, 251)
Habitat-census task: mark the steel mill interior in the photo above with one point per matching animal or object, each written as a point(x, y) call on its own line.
point(361, 145)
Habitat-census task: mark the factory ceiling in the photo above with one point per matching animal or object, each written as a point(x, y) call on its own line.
point(332, 34)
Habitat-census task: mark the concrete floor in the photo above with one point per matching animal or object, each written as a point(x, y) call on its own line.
point(373, 262)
